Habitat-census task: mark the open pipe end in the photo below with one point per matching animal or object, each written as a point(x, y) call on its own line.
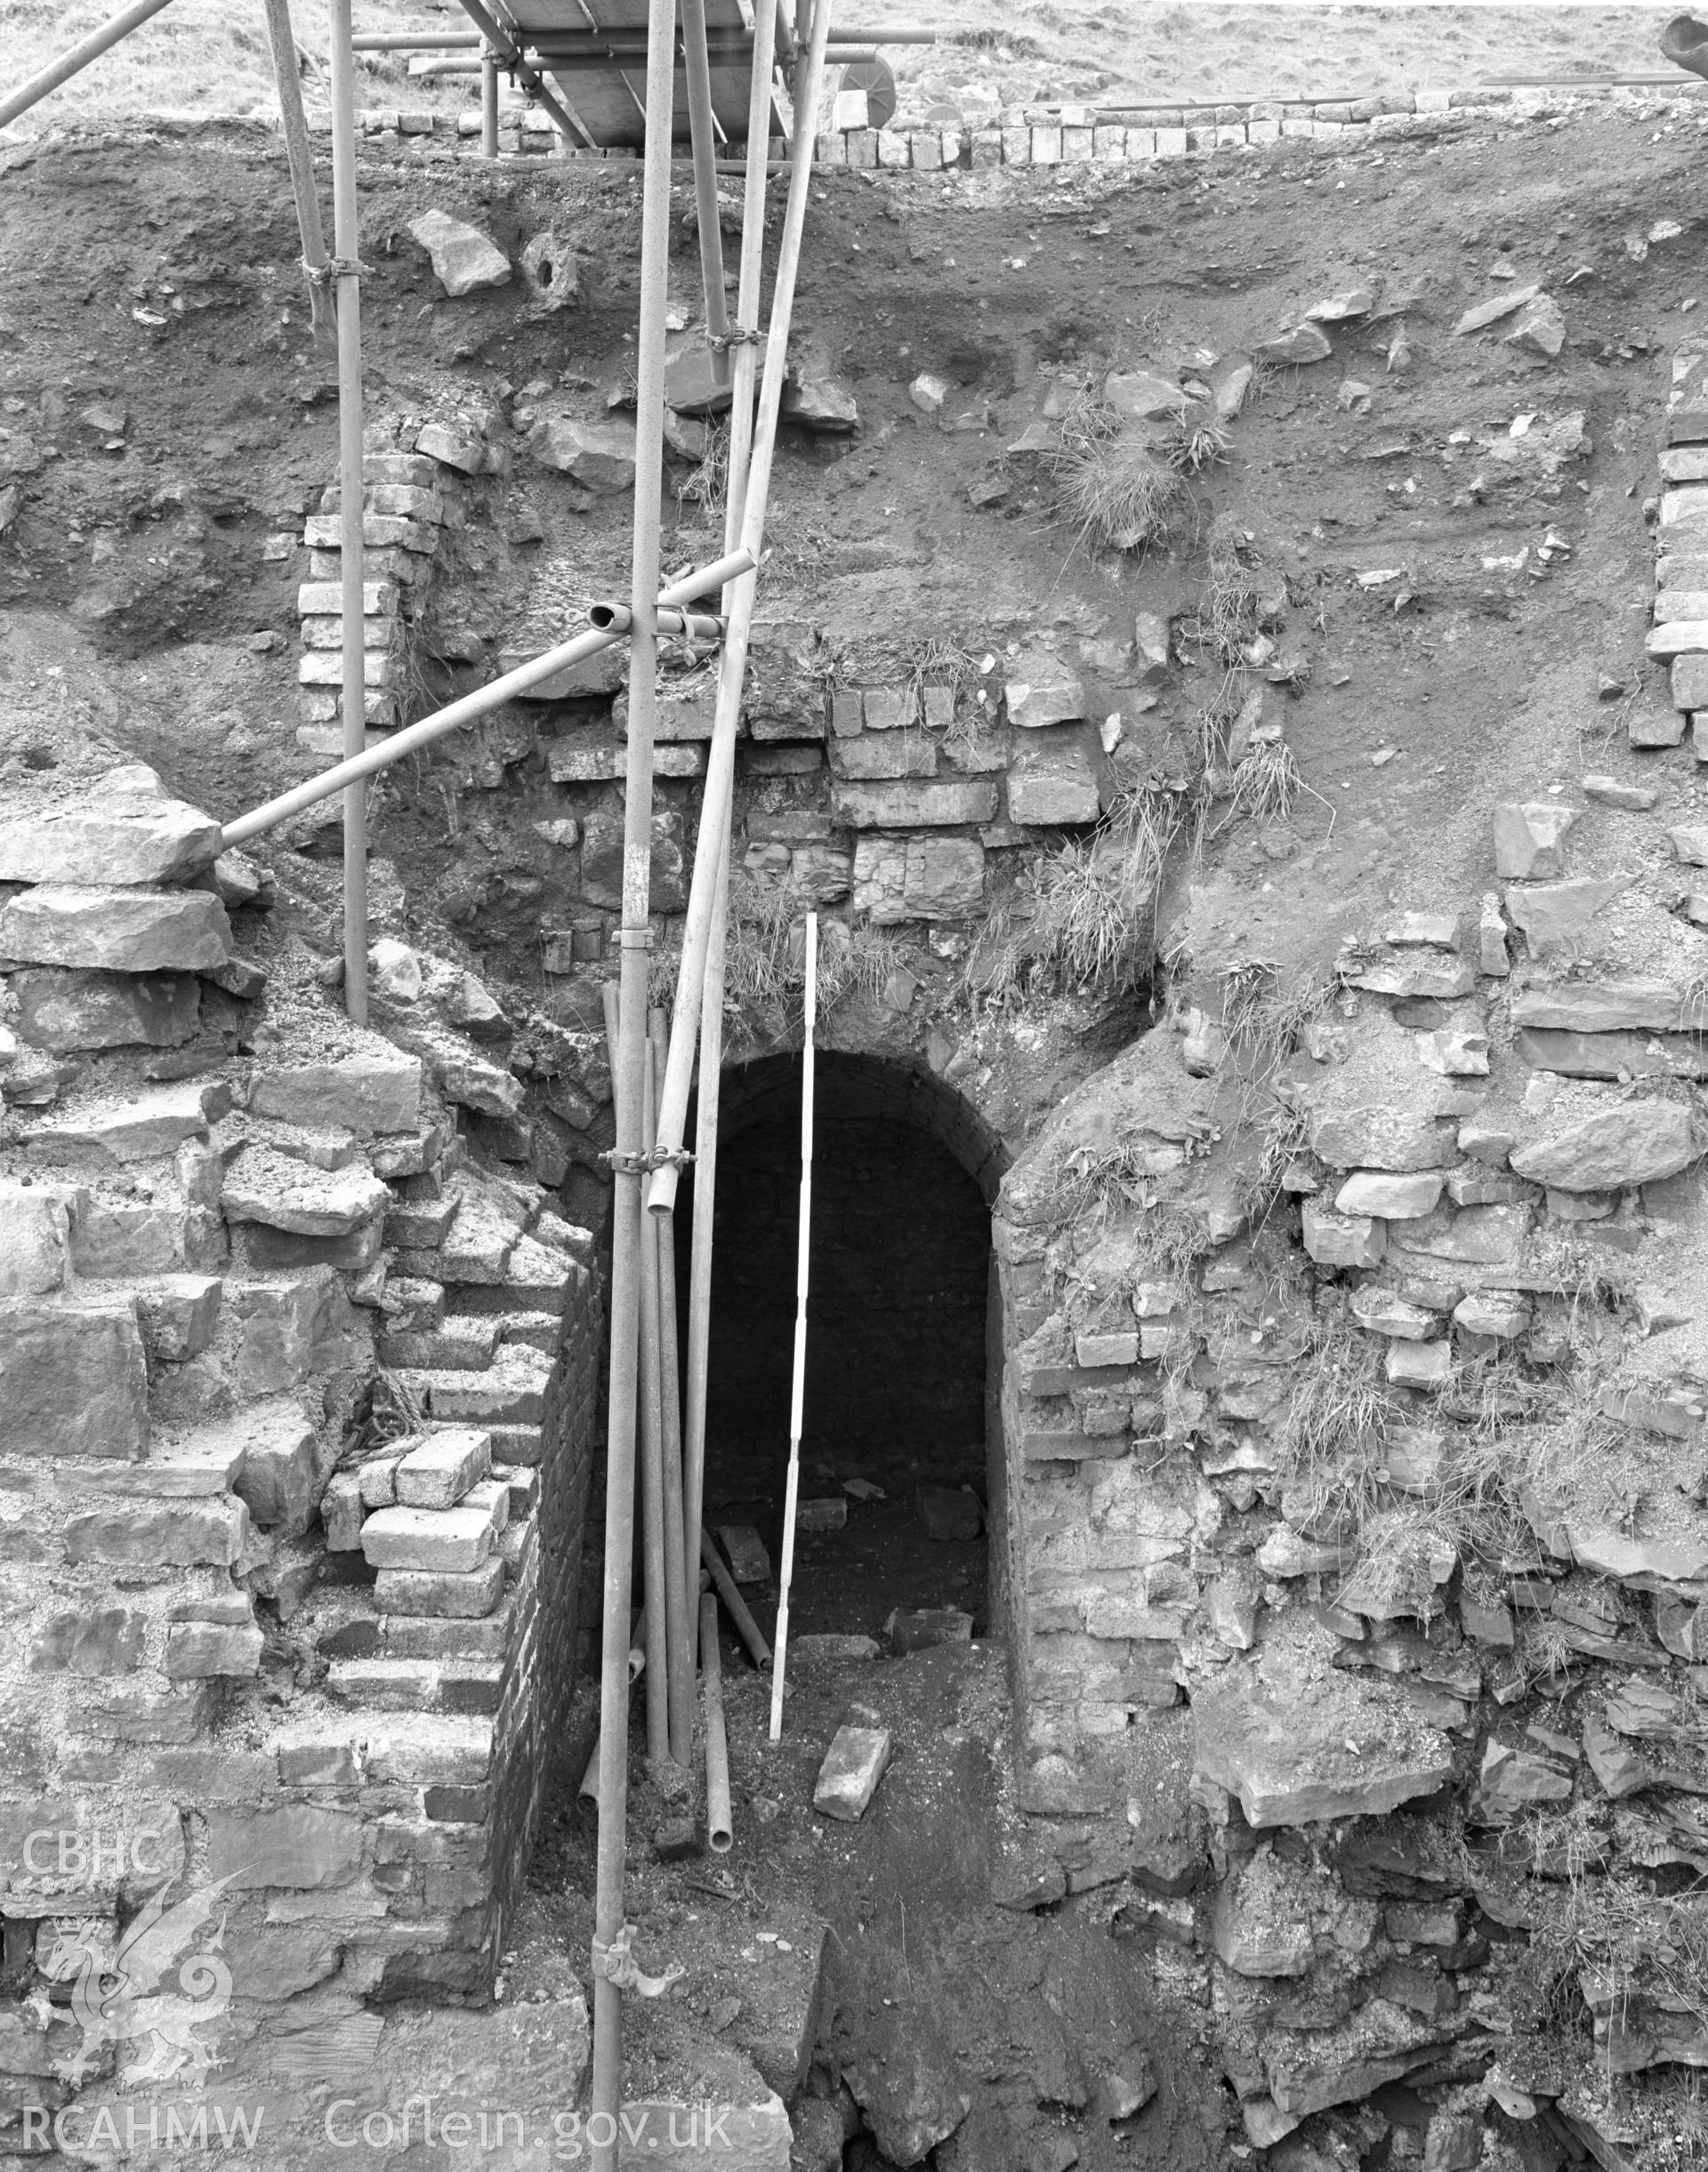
point(719, 1839)
point(601, 616)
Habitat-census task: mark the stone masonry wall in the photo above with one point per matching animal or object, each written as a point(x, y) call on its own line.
point(294, 1456)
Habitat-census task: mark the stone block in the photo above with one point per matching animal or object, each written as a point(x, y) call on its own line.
point(142, 1126)
point(109, 1238)
point(269, 1188)
point(463, 258)
point(275, 1480)
point(883, 755)
point(1040, 688)
point(1053, 780)
point(1334, 1239)
point(105, 1640)
point(361, 1094)
point(929, 805)
point(125, 829)
point(849, 1777)
point(35, 1238)
point(297, 1846)
point(1530, 839)
point(944, 878)
point(1389, 1196)
point(75, 1377)
point(458, 1594)
point(598, 456)
point(443, 1467)
point(66, 1008)
point(118, 930)
point(1631, 1143)
point(174, 1535)
point(198, 1650)
point(453, 1539)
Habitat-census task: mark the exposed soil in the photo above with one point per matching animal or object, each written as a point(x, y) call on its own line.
point(930, 1990)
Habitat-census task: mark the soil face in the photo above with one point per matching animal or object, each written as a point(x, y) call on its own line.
point(1466, 569)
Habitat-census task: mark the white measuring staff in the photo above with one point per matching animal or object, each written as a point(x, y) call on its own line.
point(798, 1389)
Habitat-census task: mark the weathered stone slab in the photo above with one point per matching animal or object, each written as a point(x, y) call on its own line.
point(127, 828)
point(598, 456)
point(1615, 1056)
point(438, 1471)
point(63, 1008)
point(142, 1126)
point(1631, 1143)
point(463, 258)
point(363, 1093)
point(1329, 1746)
point(74, 1381)
point(276, 1478)
point(117, 930)
point(169, 1534)
point(1609, 1006)
point(943, 803)
point(266, 1187)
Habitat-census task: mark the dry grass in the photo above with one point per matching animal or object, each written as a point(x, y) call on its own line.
point(1227, 617)
point(1089, 922)
point(198, 56)
point(764, 973)
point(1122, 496)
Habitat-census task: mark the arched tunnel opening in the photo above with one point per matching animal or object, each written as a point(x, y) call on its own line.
point(900, 1487)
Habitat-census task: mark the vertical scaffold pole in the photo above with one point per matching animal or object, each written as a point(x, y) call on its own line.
point(346, 244)
point(798, 1383)
point(711, 1050)
point(627, 1171)
point(488, 102)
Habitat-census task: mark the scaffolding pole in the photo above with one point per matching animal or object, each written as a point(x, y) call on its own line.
point(294, 124)
point(703, 138)
point(346, 243)
point(414, 738)
point(565, 119)
point(74, 61)
point(610, 1942)
point(710, 984)
point(798, 1381)
point(714, 805)
point(488, 102)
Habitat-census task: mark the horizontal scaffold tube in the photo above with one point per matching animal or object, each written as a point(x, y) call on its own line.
point(464, 712)
point(695, 625)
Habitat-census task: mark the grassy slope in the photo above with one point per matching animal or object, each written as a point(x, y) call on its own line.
point(210, 55)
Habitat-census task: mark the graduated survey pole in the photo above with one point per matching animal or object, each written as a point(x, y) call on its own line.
point(609, 1944)
point(714, 804)
point(346, 243)
point(797, 1386)
point(717, 841)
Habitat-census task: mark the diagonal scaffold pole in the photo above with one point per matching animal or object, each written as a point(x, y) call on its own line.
point(714, 805)
point(77, 58)
point(293, 123)
point(612, 1965)
point(711, 1050)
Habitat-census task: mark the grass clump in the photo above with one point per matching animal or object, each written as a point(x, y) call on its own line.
point(1089, 922)
point(1123, 494)
point(765, 967)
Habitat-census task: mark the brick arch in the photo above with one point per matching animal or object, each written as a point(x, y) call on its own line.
point(878, 1087)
